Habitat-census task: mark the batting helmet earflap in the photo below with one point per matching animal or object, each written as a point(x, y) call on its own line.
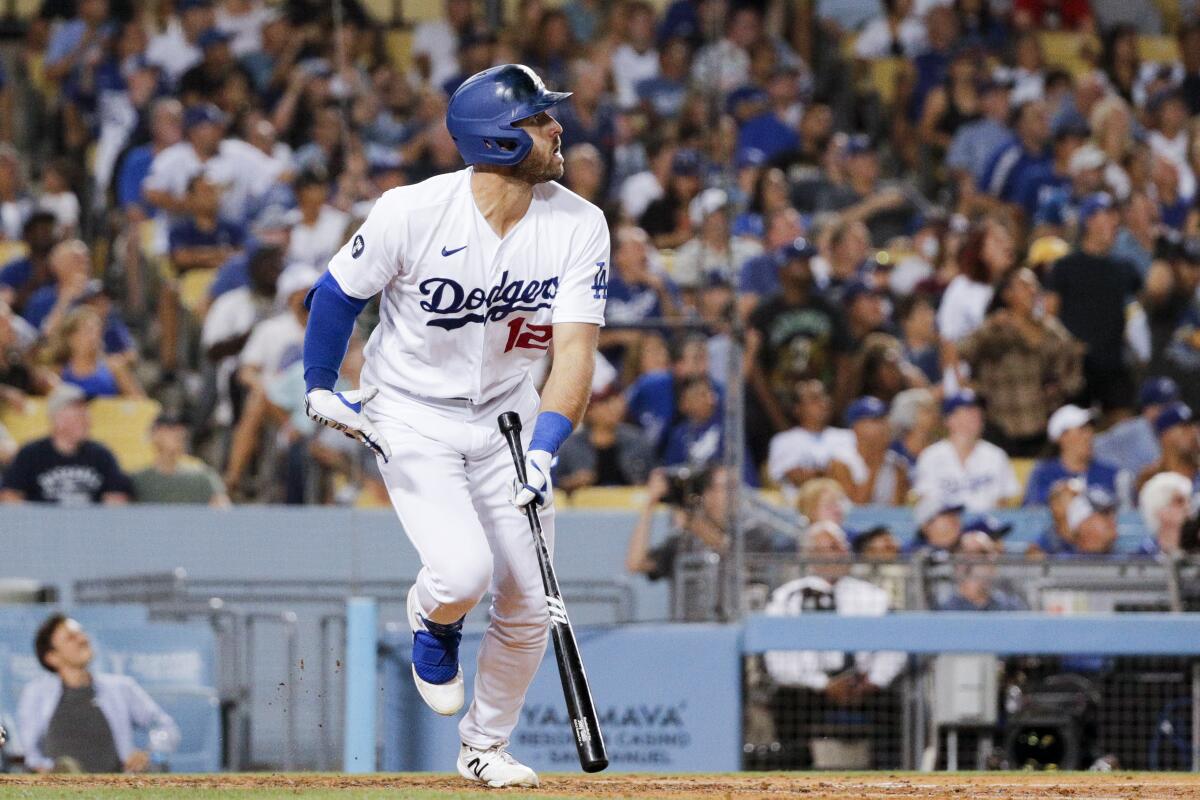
point(483, 111)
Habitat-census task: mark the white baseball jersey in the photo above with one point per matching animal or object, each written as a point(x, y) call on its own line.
point(981, 483)
point(465, 314)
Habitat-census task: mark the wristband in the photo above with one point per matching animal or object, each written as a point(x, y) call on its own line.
point(550, 431)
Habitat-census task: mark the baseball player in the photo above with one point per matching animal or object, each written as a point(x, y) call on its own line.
point(481, 271)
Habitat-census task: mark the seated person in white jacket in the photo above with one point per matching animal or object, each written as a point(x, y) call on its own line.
point(77, 721)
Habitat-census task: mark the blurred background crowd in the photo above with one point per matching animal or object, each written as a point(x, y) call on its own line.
point(958, 241)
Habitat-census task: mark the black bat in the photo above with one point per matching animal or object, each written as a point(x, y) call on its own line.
point(580, 708)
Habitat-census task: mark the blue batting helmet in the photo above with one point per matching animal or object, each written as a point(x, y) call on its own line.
point(483, 111)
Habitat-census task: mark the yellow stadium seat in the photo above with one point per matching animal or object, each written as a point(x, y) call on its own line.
point(123, 425)
point(1063, 49)
point(605, 497)
point(1022, 467)
point(28, 423)
point(884, 74)
point(1158, 49)
point(194, 285)
point(399, 48)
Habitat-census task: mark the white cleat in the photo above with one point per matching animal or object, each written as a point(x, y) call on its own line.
point(444, 698)
point(494, 767)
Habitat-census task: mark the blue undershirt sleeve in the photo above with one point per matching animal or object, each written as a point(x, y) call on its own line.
point(331, 315)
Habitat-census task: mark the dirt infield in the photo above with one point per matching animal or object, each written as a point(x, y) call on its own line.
point(857, 786)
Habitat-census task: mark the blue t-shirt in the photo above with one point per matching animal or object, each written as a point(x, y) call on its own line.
point(1049, 471)
point(651, 405)
point(1008, 167)
point(187, 234)
point(101, 383)
point(134, 169)
point(664, 96)
point(16, 273)
point(1039, 184)
point(760, 275)
point(233, 274)
point(629, 302)
point(767, 133)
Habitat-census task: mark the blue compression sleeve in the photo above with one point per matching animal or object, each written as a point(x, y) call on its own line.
point(331, 314)
point(550, 431)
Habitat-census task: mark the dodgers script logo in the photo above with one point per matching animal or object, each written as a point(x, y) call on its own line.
point(447, 298)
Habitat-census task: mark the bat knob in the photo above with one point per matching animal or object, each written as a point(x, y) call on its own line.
point(510, 421)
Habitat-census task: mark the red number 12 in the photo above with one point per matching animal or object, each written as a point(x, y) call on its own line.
point(535, 337)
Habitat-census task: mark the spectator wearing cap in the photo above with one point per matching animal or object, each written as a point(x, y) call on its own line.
point(1056, 538)
point(244, 171)
point(870, 472)
point(176, 476)
point(204, 81)
point(1179, 441)
point(1164, 503)
point(914, 419)
point(897, 32)
point(1028, 152)
point(975, 141)
point(804, 452)
point(663, 95)
point(939, 525)
point(1092, 523)
point(318, 230)
point(975, 587)
point(766, 130)
point(793, 335)
point(76, 350)
point(876, 543)
point(866, 311)
point(962, 467)
point(825, 683)
point(67, 467)
point(1072, 429)
point(759, 276)
point(712, 251)
point(987, 253)
point(667, 218)
point(1132, 444)
point(605, 450)
point(1088, 292)
point(886, 209)
point(274, 344)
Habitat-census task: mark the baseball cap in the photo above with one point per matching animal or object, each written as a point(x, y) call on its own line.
point(1046, 249)
point(65, 394)
point(799, 248)
point(859, 539)
point(201, 114)
point(1087, 157)
point(707, 203)
point(856, 290)
point(1093, 501)
point(1156, 391)
point(685, 162)
point(932, 506)
point(211, 37)
point(859, 144)
point(1067, 418)
point(296, 278)
point(1175, 414)
point(744, 94)
point(1093, 204)
point(988, 524)
point(960, 399)
point(749, 157)
point(866, 408)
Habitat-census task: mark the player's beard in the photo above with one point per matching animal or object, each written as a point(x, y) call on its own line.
point(539, 168)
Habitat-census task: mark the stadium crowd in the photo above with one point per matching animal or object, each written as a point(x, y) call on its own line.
point(959, 239)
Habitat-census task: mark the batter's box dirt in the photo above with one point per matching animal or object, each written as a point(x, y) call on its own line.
point(810, 786)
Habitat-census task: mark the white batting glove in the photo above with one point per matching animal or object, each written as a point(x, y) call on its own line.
point(537, 487)
point(342, 411)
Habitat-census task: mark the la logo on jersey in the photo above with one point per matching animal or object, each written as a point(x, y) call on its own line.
point(448, 299)
point(600, 282)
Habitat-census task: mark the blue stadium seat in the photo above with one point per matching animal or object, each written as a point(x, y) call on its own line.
point(197, 712)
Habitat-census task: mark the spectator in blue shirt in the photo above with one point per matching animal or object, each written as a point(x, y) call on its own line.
point(1024, 154)
point(974, 568)
point(80, 40)
point(975, 142)
point(201, 239)
point(1072, 428)
point(1056, 205)
point(1132, 444)
point(1055, 175)
point(652, 396)
point(166, 129)
point(664, 94)
point(21, 277)
point(638, 290)
point(939, 525)
point(759, 276)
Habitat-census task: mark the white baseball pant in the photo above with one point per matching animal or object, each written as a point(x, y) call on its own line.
point(450, 480)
